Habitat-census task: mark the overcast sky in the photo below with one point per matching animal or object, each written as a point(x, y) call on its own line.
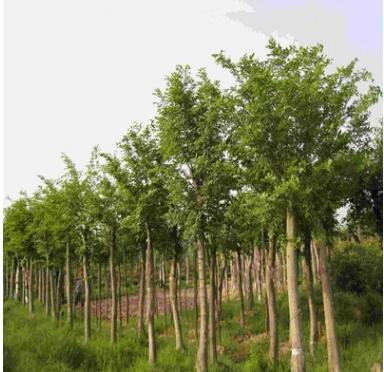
point(78, 72)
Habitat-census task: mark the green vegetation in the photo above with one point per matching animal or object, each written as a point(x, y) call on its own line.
point(38, 344)
point(232, 193)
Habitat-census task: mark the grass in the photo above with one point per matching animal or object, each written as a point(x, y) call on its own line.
point(39, 344)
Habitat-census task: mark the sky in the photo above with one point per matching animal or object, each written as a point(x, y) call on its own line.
point(77, 73)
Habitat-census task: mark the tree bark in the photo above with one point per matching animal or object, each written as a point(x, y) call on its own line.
point(313, 331)
point(297, 356)
point(151, 298)
point(59, 294)
point(140, 318)
point(68, 286)
point(250, 285)
point(87, 302)
point(240, 288)
point(271, 299)
point(202, 360)
point(173, 295)
point(99, 293)
point(30, 294)
point(47, 285)
point(12, 278)
point(329, 312)
point(113, 285)
point(212, 323)
point(187, 270)
point(52, 287)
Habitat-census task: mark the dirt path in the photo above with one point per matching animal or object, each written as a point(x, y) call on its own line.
point(186, 301)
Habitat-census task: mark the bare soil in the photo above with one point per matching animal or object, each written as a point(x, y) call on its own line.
point(185, 301)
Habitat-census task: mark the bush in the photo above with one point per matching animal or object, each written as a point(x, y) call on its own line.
point(357, 268)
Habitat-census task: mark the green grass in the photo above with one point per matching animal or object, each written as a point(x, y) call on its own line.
point(39, 344)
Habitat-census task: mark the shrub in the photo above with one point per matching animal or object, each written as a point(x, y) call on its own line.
point(357, 268)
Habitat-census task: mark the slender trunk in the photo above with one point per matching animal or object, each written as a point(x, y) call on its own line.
point(258, 274)
point(240, 286)
point(99, 293)
point(250, 286)
point(313, 333)
point(5, 279)
point(17, 282)
point(201, 360)
point(173, 298)
point(12, 278)
point(329, 312)
point(39, 284)
point(119, 295)
point(297, 356)
point(30, 294)
point(150, 298)
point(52, 286)
point(126, 294)
point(140, 318)
point(316, 266)
point(212, 323)
point(87, 302)
point(113, 284)
point(271, 298)
point(43, 285)
point(58, 294)
point(68, 286)
point(47, 285)
point(195, 291)
point(165, 297)
point(221, 283)
point(23, 292)
point(187, 270)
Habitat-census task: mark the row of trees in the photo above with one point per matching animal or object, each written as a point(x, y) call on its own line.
point(254, 173)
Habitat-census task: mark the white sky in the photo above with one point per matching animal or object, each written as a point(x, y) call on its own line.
point(78, 72)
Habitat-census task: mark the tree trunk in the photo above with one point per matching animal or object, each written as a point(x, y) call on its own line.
point(68, 286)
point(187, 270)
point(195, 291)
point(329, 312)
point(39, 283)
point(240, 286)
point(250, 285)
point(99, 293)
point(30, 294)
point(87, 302)
point(140, 318)
point(17, 282)
point(297, 356)
point(126, 294)
point(258, 269)
point(271, 298)
point(173, 295)
point(150, 298)
point(12, 278)
point(47, 297)
point(212, 323)
point(119, 295)
point(52, 286)
point(23, 284)
point(313, 332)
point(201, 360)
point(58, 295)
point(221, 283)
point(113, 284)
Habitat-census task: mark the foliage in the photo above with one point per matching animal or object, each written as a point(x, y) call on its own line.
point(358, 268)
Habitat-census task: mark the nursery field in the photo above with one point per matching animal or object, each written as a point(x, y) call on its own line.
point(239, 230)
point(35, 343)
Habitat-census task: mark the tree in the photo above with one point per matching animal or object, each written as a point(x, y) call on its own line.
point(191, 122)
